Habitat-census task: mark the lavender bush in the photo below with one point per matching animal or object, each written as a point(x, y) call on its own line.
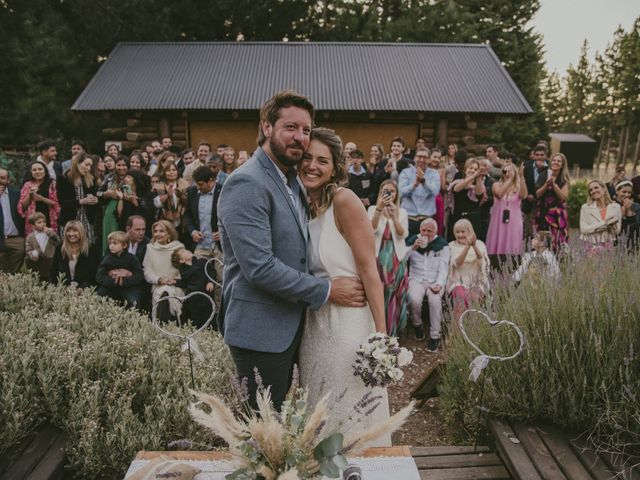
point(99, 372)
point(580, 368)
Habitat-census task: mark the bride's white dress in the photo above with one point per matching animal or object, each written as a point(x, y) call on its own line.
point(333, 333)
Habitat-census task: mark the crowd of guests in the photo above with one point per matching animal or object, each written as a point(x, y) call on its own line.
point(143, 226)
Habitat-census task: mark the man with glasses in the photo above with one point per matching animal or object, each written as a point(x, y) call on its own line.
point(418, 186)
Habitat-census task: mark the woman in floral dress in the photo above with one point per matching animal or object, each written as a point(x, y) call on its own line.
point(391, 227)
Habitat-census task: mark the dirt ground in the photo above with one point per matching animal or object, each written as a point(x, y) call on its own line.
point(425, 427)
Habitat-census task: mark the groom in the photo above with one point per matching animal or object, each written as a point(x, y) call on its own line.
point(263, 218)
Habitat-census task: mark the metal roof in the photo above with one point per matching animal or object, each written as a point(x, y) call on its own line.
point(572, 137)
point(335, 76)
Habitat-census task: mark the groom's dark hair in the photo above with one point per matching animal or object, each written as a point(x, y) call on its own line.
point(270, 111)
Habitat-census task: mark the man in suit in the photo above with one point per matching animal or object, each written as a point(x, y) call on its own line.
point(201, 221)
point(11, 227)
point(532, 169)
point(263, 229)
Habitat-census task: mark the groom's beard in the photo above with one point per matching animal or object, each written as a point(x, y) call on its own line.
point(280, 152)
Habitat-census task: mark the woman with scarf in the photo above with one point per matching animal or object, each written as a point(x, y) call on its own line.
point(39, 194)
point(158, 270)
point(77, 192)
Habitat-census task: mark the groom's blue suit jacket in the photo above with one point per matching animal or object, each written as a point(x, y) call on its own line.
point(266, 286)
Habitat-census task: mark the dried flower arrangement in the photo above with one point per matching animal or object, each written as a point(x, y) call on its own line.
point(291, 444)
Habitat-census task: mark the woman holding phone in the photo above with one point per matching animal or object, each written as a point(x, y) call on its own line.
point(391, 227)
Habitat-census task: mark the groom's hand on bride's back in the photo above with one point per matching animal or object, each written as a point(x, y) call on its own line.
point(348, 292)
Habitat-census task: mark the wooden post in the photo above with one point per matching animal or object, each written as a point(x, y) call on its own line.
point(441, 132)
point(165, 127)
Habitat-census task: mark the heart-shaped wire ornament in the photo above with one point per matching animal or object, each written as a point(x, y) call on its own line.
point(190, 342)
point(480, 362)
point(206, 270)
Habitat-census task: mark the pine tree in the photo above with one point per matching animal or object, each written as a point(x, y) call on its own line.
point(553, 101)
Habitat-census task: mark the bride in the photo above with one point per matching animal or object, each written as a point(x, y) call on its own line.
point(341, 244)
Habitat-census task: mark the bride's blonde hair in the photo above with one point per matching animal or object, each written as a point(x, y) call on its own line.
point(329, 138)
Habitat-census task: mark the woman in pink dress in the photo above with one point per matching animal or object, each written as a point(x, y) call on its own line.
point(505, 234)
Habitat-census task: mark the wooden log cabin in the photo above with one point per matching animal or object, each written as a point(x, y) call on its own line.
point(368, 92)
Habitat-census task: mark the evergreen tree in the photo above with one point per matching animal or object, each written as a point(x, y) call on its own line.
point(553, 101)
point(580, 94)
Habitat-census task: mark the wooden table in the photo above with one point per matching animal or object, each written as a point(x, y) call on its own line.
point(434, 463)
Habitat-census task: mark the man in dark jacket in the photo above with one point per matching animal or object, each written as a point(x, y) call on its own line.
point(201, 220)
point(11, 227)
point(359, 178)
point(532, 169)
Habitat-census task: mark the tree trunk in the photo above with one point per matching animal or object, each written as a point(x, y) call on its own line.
point(606, 163)
point(636, 154)
point(603, 134)
point(625, 150)
point(620, 156)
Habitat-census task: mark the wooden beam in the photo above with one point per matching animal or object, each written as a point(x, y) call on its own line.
point(165, 127)
point(557, 444)
point(441, 135)
point(446, 450)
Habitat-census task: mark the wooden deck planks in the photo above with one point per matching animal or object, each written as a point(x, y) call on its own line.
point(557, 455)
point(597, 468)
point(513, 455)
point(458, 461)
point(559, 447)
point(471, 473)
point(538, 452)
point(447, 450)
point(30, 458)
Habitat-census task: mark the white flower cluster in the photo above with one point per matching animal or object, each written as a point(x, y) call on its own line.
point(380, 360)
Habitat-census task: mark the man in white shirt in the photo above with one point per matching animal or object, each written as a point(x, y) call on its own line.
point(429, 261)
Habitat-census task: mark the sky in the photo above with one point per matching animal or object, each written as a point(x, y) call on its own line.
point(564, 25)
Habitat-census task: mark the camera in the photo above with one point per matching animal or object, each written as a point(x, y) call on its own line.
point(506, 215)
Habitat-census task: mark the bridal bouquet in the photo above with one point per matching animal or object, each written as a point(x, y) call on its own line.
point(291, 444)
point(380, 360)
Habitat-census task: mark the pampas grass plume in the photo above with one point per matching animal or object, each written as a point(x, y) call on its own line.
point(357, 442)
point(220, 420)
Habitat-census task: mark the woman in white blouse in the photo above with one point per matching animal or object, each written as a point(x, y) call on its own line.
point(468, 280)
point(600, 217)
point(391, 227)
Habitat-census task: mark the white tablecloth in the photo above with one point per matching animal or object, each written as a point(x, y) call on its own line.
point(373, 468)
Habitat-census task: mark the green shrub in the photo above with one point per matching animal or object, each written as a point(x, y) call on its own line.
point(577, 197)
point(580, 368)
point(98, 371)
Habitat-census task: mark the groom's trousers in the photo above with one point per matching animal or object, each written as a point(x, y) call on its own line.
point(275, 369)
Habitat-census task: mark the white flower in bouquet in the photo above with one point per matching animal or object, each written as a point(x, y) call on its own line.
point(379, 360)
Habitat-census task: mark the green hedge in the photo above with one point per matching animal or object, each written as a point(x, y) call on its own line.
point(580, 368)
point(577, 197)
point(98, 371)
